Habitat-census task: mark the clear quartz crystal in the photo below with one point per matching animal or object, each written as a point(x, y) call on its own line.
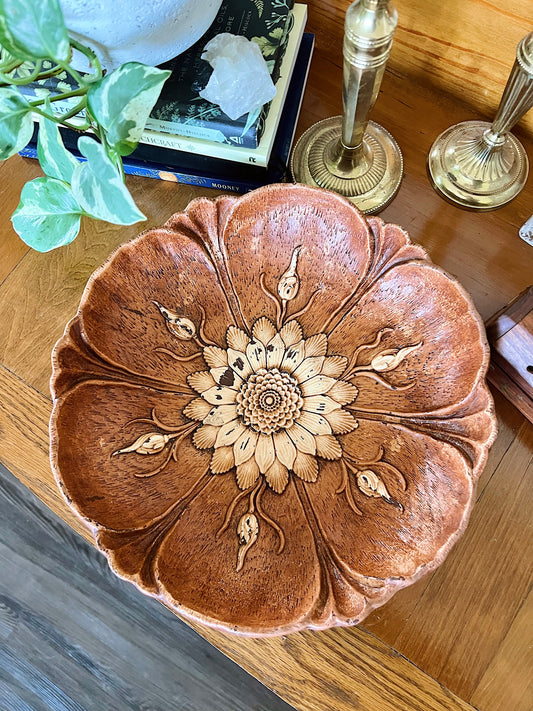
point(240, 82)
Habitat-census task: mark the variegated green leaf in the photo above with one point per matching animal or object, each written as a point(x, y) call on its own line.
point(34, 28)
point(122, 102)
point(98, 187)
point(16, 125)
point(48, 215)
point(54, 158)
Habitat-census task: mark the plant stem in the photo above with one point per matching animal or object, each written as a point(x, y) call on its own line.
point(60, 97)
point(20, 81)
point(84, 79)
point(9, 66)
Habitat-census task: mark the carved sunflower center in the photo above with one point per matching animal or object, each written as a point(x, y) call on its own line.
point(269, 400)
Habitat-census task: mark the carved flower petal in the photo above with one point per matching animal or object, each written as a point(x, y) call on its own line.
point(328, 447)
point(275, 351)
point(247, 473)
point(205, 436)
point(334, 256)
point(263, 330)
point(118, 316)
point(264, 453)
point(215, 357)
point(315, 424)
point(244, 447)
point(343, 392)
point(192, 552)
point(321, 404)
point(201, 381)
point(198, 409)
point(237, 339)
point(277, 477)
point(316, 345)
point(291, 333)
point(285, 449)
point(320, 385)
point(302, 439)
point(256, 355)
point(308, 368)
point(222, 460)
point(306, 467)
point(227, 377)
point(334, 366)
point(230, 433)
point(420, 303)
point(218, 395)
point(341, 421)
point(386, 541)
point(239, 362)
point(293, 357)
point(115, 491)
point(220, 415)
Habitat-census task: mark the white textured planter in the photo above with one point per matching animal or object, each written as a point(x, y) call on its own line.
point(149, 31)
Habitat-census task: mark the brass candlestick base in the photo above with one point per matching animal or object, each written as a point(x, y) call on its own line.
point(369, 176)
point(474, 168)
point(481, 165)
point(350, 154)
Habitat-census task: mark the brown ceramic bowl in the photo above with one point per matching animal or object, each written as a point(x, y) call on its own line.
point(272, 412)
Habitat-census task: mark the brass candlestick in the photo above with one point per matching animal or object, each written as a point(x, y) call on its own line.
point(350, 154)
point(481, 165)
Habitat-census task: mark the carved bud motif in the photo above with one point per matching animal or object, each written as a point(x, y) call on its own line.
point(150, 443)
point(390, 359)
point(289, 282)
point(247, 530)
point(371, 485)
point(181, 327)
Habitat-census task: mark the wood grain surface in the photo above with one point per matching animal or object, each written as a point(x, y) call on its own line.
point(457, 639)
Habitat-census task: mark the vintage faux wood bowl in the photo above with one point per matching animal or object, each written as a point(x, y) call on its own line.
point(272, 412)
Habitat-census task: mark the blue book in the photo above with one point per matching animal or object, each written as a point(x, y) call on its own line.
point(167, 164)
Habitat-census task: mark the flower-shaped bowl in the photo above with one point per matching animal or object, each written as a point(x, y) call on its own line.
point(272, 412)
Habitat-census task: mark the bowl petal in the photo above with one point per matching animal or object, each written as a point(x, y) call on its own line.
point(401, 504)
point(260, 237)
point(432, 352)
point(132, 305)
point(272, 593)
point(90, 425)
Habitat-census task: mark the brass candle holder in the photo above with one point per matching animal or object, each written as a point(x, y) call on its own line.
point(349, 154)
point(480, 165)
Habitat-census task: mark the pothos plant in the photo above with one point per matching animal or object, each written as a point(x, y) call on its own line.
point(113, 109)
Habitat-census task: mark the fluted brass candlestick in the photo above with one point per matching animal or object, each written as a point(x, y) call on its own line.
point(350, 154)
point(481, 165)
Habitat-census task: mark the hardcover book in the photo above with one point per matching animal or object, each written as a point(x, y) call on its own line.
point(180, 110)
point(233, 151)
point(167, 164)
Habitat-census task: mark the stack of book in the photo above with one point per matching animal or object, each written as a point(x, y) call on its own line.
point(190, 140)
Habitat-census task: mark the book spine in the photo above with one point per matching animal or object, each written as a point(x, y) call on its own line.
point(234, 185)
point(203, 147)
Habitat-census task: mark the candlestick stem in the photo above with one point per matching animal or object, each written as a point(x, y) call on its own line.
point(350, 154)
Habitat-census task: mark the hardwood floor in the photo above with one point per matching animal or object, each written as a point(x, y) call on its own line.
point(73, 637)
